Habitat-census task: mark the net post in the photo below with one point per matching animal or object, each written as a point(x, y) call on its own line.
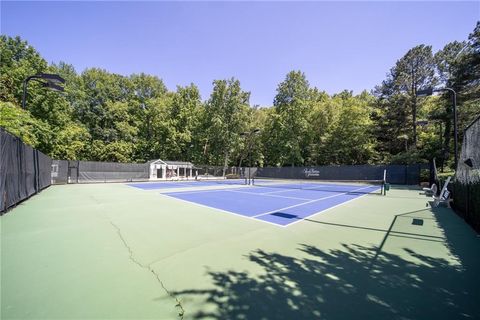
point(384, 182)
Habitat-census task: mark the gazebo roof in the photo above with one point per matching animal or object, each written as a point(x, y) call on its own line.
point(171, 163)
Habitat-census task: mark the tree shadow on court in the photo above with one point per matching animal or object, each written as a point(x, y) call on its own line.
point(351, 282)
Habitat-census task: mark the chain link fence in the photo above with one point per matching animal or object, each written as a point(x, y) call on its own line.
point(73, 171)
point(396, 174)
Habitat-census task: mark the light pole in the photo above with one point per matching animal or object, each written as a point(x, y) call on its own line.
point(248, 137)
point(429, 92)
point(48, 80)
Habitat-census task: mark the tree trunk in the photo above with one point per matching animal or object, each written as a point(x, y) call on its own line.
point(225, 163)
point(241, 160)
point(205, 151)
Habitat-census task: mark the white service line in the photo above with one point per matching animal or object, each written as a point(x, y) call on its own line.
point(308, 202)
point(199, 191)
point(293, 188)
point(326, 209)
point(269, 195)
point(280, 191)
point(221, 210)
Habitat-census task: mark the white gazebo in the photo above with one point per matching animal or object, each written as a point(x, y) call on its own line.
point(171, 170)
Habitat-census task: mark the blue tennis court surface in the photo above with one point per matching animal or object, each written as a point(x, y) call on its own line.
point(184, 184)
point(281, 206)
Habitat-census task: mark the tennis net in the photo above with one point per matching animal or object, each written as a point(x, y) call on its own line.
point(217, 180)
point(376, 187)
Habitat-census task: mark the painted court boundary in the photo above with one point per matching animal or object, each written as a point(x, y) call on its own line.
point(272, 211)
point(308, 202)
point(221, 210)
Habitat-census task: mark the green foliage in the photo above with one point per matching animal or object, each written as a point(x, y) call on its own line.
point(71, 142)
point(184, 114)
point(290, 119)
point(18, 60)
point(117, 151)
point(349, 140)
point(224, 119)
point(414, 71)
point(32, 131)
point(407, 157)
point(443, 176)
point(109, 117)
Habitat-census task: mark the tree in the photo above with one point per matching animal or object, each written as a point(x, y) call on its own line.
point(323, 113)
point(415, 70)
point(467, 71)
point(250, 148)
point(32, 131)
point(71, 142)
point(184, 112)
point(447, 63)
point(100, 88)
point(458, 66)
point(466, 77)
point(18, 61)
point(110, 117)
point(290, 121)
point(270, 138)
point(391, 121)
point(349, 140)
point(146, 89)
point(224, 119)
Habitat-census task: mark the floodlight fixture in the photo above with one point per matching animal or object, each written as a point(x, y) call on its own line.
point(48, 80)
point(425, 92)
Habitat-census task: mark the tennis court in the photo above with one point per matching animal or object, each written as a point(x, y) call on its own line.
point(198, 250)
point(277, 206)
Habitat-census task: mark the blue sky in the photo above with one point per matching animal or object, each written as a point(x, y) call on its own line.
point(339, 45)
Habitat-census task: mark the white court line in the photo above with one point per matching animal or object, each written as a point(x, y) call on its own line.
point(337, 205)
point(254, 217)
point(221, 210)
point(309, 188)
point(269, 195)
point(200, 191)
point(232, 190)
point(308, 202)
point(177, 185)
point(287, 190)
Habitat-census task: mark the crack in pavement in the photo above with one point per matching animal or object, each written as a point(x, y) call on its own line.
point(148, 267)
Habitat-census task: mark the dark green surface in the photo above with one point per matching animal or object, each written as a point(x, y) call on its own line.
point(111, 251)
